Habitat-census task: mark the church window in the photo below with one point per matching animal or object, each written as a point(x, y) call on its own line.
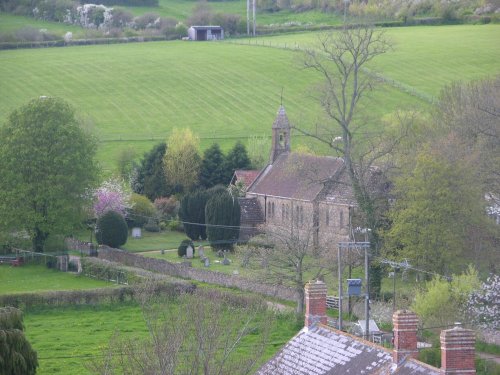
point(282, 212)
point(327, 217)
point(269, 209)
point(341, 219)
point(272, 209)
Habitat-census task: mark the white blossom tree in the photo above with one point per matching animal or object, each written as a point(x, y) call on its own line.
point(483, 305)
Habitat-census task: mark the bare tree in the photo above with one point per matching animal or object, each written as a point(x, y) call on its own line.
point(287, 255)
point(199, 333)
point(341, 58)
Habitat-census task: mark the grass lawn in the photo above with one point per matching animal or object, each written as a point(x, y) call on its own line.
point(133, 95)
point(66, 338)
point(10, 23)
point(426, 58)
point(154, 241)
point(34, 278)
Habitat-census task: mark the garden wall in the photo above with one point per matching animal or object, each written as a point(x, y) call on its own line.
point(187, 272)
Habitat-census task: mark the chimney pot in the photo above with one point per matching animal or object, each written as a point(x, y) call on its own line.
point(405, 324)
point(458, 351)
point(315, 295)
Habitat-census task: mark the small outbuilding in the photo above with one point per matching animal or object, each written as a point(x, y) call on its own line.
point(206, 33)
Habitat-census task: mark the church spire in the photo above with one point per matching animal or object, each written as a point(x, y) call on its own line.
point(281, 135)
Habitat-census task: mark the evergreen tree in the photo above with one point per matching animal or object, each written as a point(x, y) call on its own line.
point(192, 212)
point(212, 167)
point(222, 213)
point(237, 158)
point(150, 179)
point(17, 357)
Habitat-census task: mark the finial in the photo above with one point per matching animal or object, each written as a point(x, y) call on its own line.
point(281, 98)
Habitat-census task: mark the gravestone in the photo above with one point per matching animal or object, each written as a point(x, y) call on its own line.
point(201, 251)
point(226, 261)
point(136, 233)
point(220, 254)
point(189, 252)
point(207, 262)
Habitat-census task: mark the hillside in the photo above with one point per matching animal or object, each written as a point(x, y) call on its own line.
point(134, 94)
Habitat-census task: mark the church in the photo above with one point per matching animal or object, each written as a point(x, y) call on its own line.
point(298, 191)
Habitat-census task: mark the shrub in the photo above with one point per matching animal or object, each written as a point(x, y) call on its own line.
point(181, 250)
point(152, 225)
point(142, 210)
point(222, 216)
point(167, 208)
point(111, 230)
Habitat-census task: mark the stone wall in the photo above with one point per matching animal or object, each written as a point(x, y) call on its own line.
point(187, 272)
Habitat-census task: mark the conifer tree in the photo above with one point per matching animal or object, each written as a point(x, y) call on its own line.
point(222, 214)
point(212, 167)
point(237, 158)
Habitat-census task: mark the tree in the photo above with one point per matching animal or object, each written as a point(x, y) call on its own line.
point(47, 166)
point(340, 59)
point(150, 179)
point(111, 230)
point(222, 216)
point(182, 161)
point(199, 333)
point(111, 196)
point(212, 168)
point(442, 301)
point(141, 210)
point(237, 158)
point(483, 305)
point(286, 254)
point(192, 213)
point(126, 163)
point(17, 357)
point(437, 213)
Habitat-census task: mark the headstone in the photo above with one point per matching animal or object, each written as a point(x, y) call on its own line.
point(201, 251)
point(226, 261)
point(220, 254)
point(136, 233)
point(162, 251)
point(189, 252)
point(207, 262)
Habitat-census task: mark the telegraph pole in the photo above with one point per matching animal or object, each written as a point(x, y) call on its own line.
point(254, 20)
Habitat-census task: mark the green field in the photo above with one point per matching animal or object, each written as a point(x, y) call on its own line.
point(65, 343)
point(31, 278)
point(11, 23)
point(133, 95)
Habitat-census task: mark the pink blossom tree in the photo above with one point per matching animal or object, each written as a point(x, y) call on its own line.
point(111, 196)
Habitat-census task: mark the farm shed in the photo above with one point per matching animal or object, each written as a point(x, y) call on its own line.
point(206, 33)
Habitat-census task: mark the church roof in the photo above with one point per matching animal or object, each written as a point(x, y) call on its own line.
point(245, 176)
point(281, 120)
point(298, 176)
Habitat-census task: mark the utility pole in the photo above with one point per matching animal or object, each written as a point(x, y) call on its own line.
point(359, 246)
point(248, 17)
point(254, 20)
point(395, 267)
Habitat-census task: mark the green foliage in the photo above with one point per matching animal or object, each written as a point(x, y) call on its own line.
point(431, 356)
point(181, 250)
point(442, 302)
point(237, 158)
point(258, 151)
point(192, 213)
point(126, 163)
point(17, 357)
point(437, 211)
point(222, 215)
point(150, 178)
point(142, 210)
point(112, 230)
point(47, 166)
point(182, 161)
point(212, 168)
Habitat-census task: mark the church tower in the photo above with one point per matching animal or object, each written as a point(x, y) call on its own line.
point(281, 135)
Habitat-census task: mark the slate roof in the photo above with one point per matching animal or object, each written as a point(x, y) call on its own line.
point(302, 176)
point(281, 120)
point(208, 27)
point(322, 350)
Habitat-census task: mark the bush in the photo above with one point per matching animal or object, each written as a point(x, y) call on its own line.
point(181, 250)
point(152, 226)
point(167, 208)
point(111, 230)
point(142, 210)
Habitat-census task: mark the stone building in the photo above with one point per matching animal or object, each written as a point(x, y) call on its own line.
point(303, 192)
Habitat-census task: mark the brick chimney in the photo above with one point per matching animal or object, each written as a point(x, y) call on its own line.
point(315, 295)
point(457, 351)
point(405, 335)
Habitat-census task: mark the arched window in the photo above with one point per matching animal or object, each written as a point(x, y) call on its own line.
point(272, 209)
point(282, 212)
point(268, 209)
point(341, 219)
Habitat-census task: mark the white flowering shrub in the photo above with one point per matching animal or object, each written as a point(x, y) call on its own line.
point(94, 16)
point(483, 306)
point(68, 37)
